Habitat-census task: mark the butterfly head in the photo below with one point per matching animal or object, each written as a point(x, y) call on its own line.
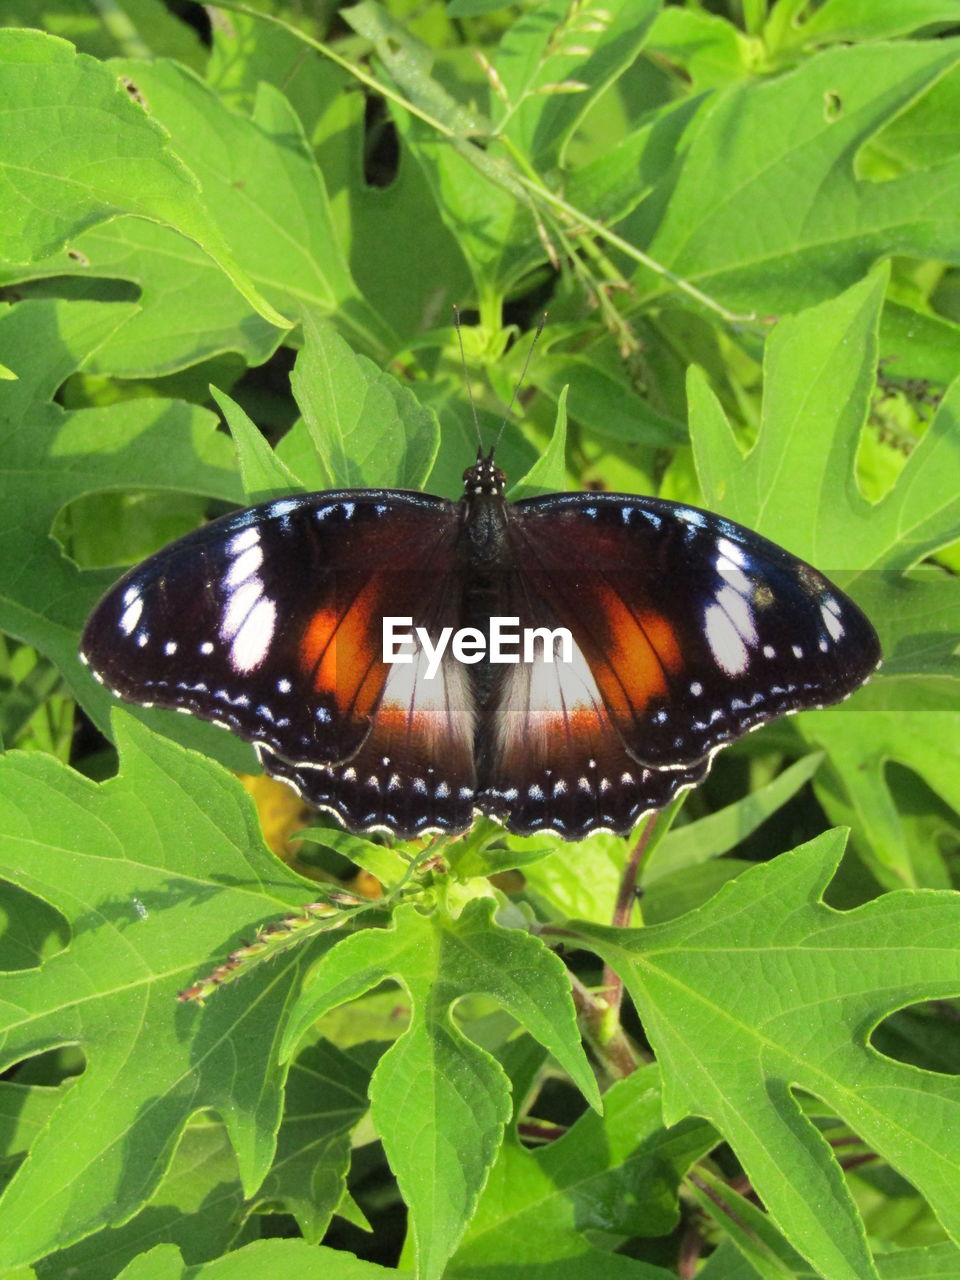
point(484, 477)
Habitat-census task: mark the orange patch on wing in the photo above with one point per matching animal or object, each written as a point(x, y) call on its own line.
point(318, 637)
point(664, 639)
point(393, 717)
point(336, 650)
point(584, 719)
point(644, 649)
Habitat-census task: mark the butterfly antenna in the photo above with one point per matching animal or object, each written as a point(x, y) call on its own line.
point(520, 381)
point(466, 378)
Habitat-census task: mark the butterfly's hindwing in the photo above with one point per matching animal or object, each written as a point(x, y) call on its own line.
point(415, 770)
point(552, 758)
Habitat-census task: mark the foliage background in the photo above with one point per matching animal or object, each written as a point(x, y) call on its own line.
point(199, 207)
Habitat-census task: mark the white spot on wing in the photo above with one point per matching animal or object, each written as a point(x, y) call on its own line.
point(131, 614)
point(726, 643)
point(252, 642)
point(830, 619)
point(731, 551)
point(241, 602)
point(740, 613)
point(244, 566)
point(733, 576)
point(243, 540)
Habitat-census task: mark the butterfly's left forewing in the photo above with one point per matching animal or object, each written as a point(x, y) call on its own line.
point(269, 622)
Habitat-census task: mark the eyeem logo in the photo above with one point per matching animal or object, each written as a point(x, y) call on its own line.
point(506, 643)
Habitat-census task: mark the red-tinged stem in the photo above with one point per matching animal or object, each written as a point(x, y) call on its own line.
point(688, 1260)
point(627, 898)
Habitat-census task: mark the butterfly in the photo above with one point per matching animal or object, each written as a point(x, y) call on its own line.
point(660, 632)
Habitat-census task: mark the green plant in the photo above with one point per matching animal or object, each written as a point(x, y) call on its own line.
point(178, 216)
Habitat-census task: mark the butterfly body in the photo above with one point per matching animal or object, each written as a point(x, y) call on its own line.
point(686, 630)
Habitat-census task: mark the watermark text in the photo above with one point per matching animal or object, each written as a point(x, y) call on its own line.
point(506, 642)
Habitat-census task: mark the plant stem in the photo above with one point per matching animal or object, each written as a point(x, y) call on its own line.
point(604, 1034)
point(654, 827)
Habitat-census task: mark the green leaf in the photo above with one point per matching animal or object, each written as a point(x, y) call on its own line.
point(711, 50)
point(264, 475)
point(196, 1206)
point(937, 1262)
point(719, 832)
point(819, 373)
point(145, 28)
point(49, 457)
point(439, 1102)
point(189, 310)
point(385, 864)
point(143, 868)
point(606, 403)
point(541, 1209)
point(796, 135)
point(475, 189)
point(861, 748)
point(819, 369)
point(260, 1259)
point(110, 158)
point(471, 8)
point(919, 345)
point(748, 1227)
point(367, 429)
point(780, 993)
point(555, 61)
point(264, 188)
point(851, 20)
point(326, 1096)
point(549, 473)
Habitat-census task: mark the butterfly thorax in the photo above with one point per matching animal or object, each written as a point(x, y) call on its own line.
point(483, 544)
point(486, 554)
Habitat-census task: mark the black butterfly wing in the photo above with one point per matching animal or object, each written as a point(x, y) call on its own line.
point(269, 622)
point(694, 629)
point(551, 757)
point(415, 770)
